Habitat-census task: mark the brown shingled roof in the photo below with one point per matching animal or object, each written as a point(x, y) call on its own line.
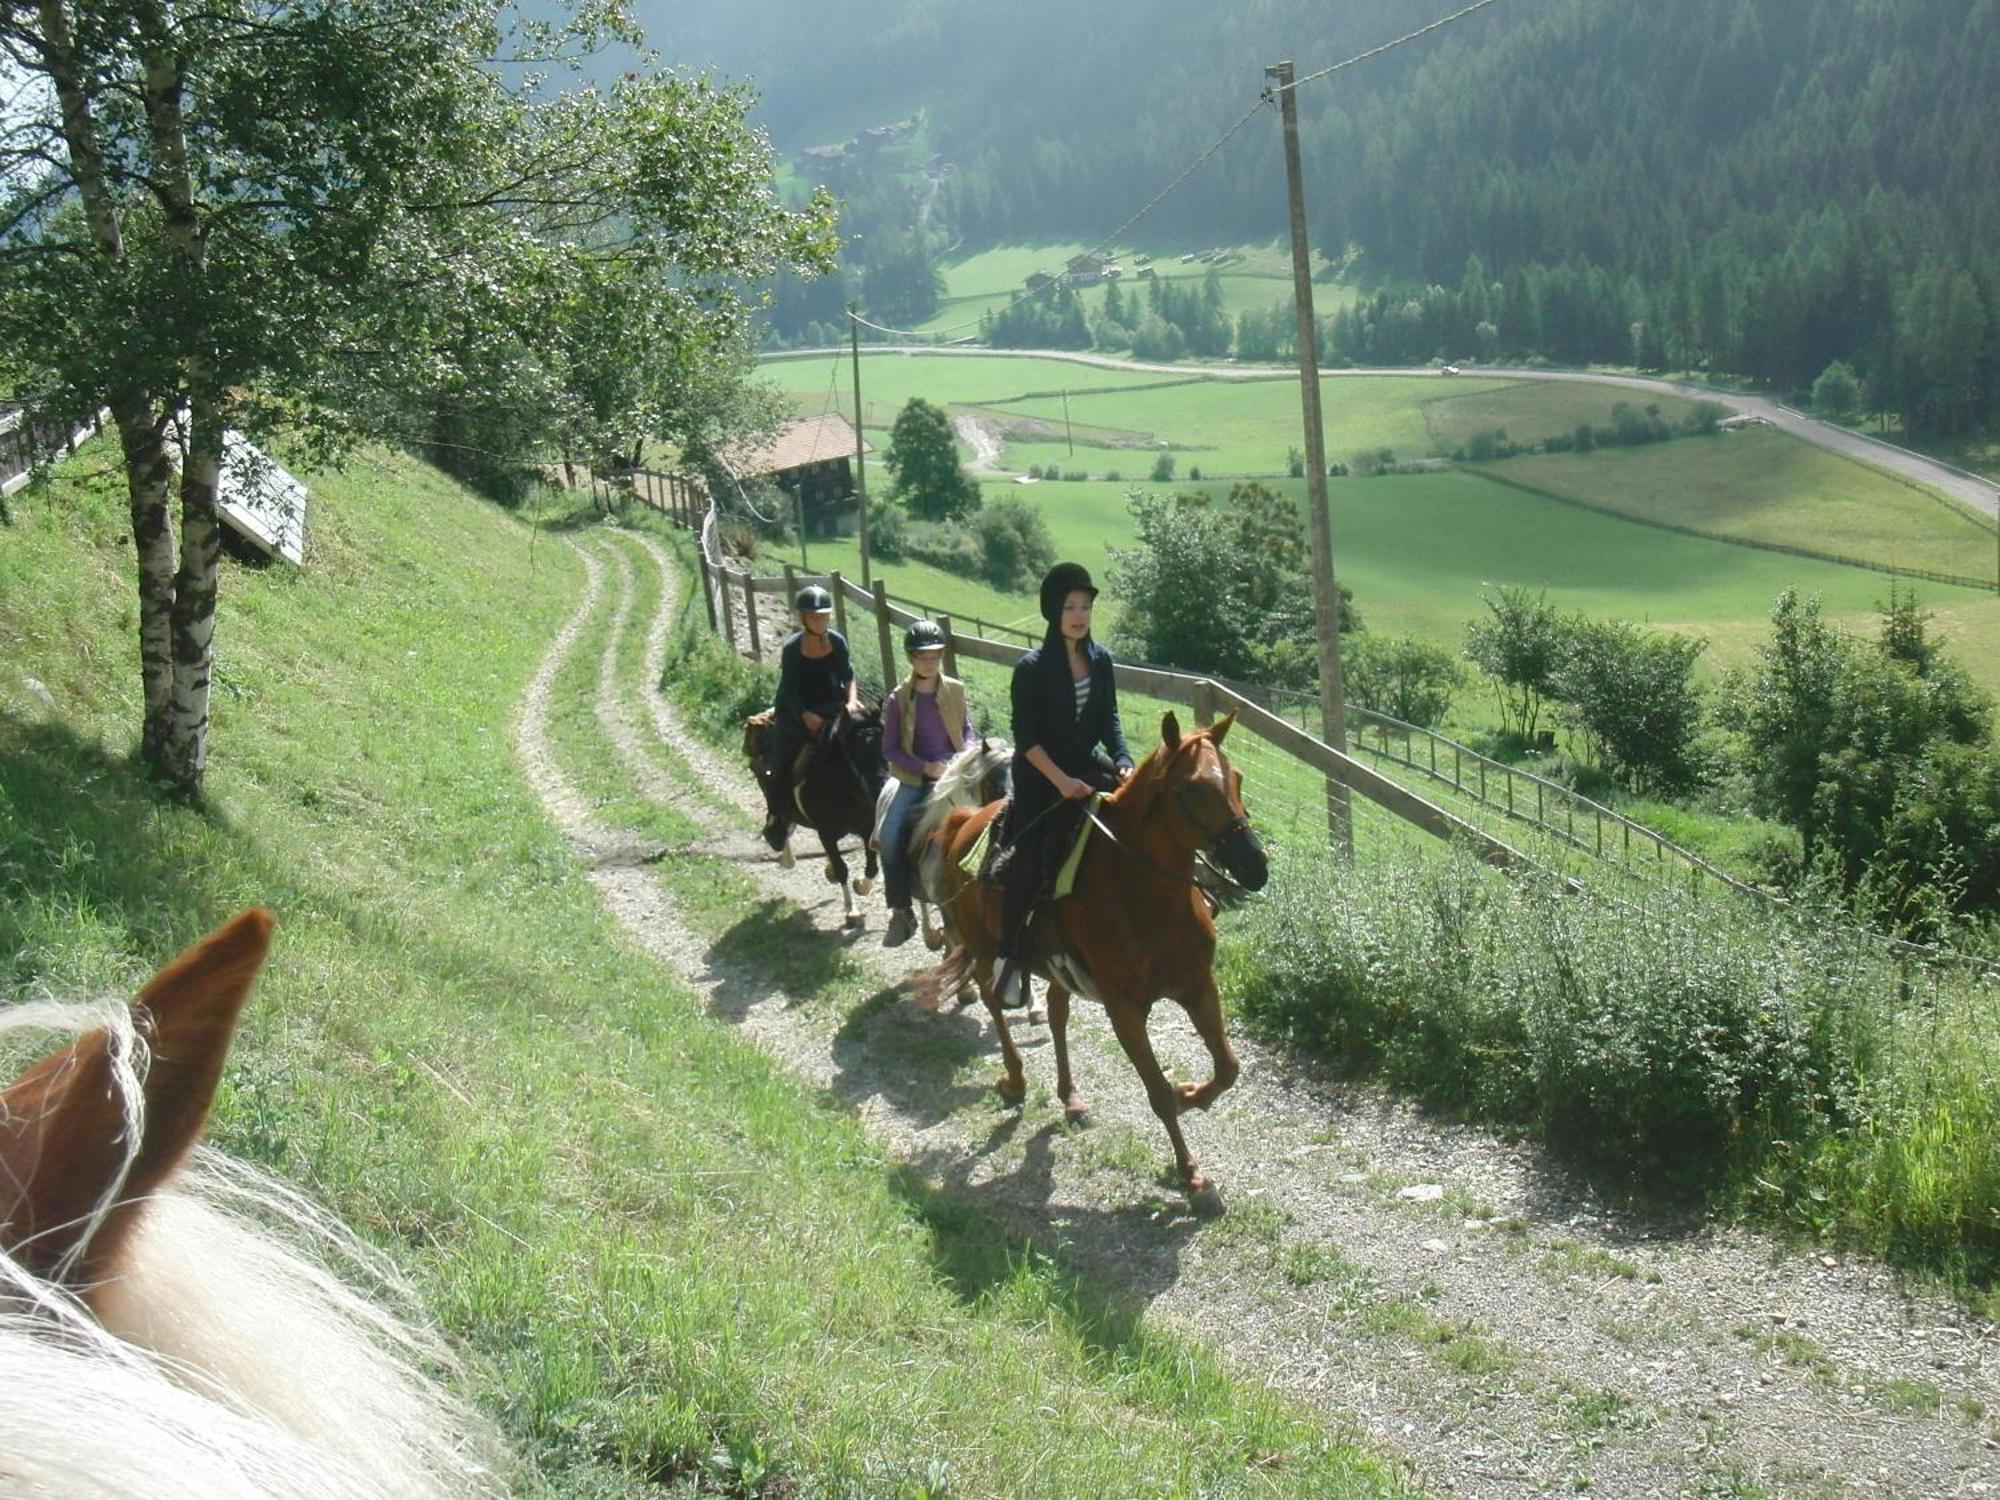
point(806, 440)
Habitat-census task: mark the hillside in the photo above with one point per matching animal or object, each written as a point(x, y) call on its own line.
point(1760, 189)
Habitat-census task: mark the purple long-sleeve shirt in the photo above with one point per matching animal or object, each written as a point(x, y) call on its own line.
point(928, 742)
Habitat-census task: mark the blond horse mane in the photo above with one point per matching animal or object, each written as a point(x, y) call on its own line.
point(236, 1342)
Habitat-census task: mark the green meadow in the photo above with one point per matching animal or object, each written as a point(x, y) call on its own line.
point(673, 1269)
point(1420, 550)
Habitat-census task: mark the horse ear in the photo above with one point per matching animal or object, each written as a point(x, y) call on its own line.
point(1221, 727)
point(1170, 731)
point(63, 1123)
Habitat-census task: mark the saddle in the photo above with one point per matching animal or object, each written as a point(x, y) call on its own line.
point(1061, 849)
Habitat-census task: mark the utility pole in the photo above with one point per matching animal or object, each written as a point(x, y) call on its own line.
point(860, 463)
point(1326, 594)
point(1068, 433)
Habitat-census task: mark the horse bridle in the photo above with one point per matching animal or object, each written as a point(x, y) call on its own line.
point(1240, 824)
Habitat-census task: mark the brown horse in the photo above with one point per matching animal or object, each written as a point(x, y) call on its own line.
point(1137, 928)
point(170, 1321)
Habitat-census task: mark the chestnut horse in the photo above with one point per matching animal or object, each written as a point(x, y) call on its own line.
point(1137, 928)
point(158, 1336)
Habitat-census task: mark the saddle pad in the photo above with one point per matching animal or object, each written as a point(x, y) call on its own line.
point(1066, 875)
point(972, 865)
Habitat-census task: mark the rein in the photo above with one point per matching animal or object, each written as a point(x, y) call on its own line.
point(1236, 890)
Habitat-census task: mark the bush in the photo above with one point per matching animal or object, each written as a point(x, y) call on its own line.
point(1014, 543)
point(1163, 469)
point(888, 531)
point(1631, 693)
point(1689, 1038)
point(1400, 676)
point(1079, 474)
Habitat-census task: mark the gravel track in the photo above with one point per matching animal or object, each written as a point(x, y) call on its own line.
point(1495, 1326)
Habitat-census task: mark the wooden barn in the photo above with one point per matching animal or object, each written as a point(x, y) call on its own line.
point(812, 460)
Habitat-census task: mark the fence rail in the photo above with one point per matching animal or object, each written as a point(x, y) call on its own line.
point(26, 444)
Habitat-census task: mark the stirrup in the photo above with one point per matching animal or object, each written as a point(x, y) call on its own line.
point(1011, 991)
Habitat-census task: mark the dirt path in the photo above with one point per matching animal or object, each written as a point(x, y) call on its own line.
point(983, 437)
point(1455, 1299)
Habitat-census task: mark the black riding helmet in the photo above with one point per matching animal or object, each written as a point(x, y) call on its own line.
point(812, 597)
point(1057, 585)
point(923, 635)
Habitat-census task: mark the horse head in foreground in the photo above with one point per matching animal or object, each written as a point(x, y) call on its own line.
point(169, 1324)
point(1137, 927)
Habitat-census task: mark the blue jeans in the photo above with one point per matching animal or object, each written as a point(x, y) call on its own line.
point(894, 841)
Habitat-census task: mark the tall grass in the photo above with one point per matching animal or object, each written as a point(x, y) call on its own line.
point(674, 1270)
point(1776, 1057)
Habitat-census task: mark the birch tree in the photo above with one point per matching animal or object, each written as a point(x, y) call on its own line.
point(344, 219)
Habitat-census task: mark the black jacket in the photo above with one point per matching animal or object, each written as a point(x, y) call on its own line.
point(1044, 700)
point(820, 686)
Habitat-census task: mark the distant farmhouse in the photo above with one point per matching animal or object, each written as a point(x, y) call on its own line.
point(1084, 270)
point(812, 461)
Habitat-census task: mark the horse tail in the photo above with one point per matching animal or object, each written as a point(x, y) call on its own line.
point(950, 974)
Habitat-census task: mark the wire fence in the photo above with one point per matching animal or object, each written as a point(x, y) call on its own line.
point(28, 442)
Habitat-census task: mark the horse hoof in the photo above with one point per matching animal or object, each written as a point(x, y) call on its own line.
point(934, 940)
point(1037, 1016)
point(863, 886)
point(786, 859)
point(857, 921)
point(1077, 1110)
point(832, 875)
point(1206, 1202)
point(1011, 1090)
point(966, 995)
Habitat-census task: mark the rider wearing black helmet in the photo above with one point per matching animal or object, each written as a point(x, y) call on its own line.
point(1065, 701)
point(815, 683)
point(924, 723)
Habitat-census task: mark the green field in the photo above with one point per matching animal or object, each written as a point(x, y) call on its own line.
point(1253, 278)
point(1769, 487)
point(1420, 550)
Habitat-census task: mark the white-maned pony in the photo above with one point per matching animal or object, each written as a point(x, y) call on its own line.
point(175, 1323)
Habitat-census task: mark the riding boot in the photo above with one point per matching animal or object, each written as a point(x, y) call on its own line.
point(777, 782)
point(1017, 903)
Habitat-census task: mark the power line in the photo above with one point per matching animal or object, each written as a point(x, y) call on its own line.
point(1361, 57)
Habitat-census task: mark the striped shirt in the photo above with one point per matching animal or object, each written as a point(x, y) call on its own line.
point(1082, 693)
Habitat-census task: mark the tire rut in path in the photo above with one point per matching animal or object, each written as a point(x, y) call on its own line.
point(1506, 1338)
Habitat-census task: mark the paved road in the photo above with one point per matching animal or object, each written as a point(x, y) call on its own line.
point(1968, 489)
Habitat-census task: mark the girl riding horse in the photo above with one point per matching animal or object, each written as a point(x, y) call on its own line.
point(924, 724)
point(815, 684)
point(1065, 700)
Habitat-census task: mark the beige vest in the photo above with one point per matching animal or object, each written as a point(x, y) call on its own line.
point(951, 708)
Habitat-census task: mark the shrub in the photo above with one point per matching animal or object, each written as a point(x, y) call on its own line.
point(1015, 547)
point(1163, 469)
point(1400, 676)
point(1631, 694)
point(888, 531)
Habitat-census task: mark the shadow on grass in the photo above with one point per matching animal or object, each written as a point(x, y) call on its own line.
point(1110, 1262)
point(888, 1049)
point(775, 946)
point(83, 829)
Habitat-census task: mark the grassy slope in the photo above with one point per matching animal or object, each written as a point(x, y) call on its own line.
point(672, 1268)
point(1770, 487)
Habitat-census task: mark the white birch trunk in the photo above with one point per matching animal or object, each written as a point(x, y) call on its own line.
point(184, 751)
point(186, 748)
point(139, 417)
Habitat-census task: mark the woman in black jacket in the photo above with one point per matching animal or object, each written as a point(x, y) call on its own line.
point(1068, 743)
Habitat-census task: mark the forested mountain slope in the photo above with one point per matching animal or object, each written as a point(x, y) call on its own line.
point(1760, 186)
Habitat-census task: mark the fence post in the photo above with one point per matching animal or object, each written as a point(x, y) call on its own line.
point(722, 601)
point(707, 587)
point(791, 584)
point(889, 677)
point(950, 649)
point(1510, 791)
point(839, 604)
point(750, 617)
point(1457, 769)
point(1204, 703)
